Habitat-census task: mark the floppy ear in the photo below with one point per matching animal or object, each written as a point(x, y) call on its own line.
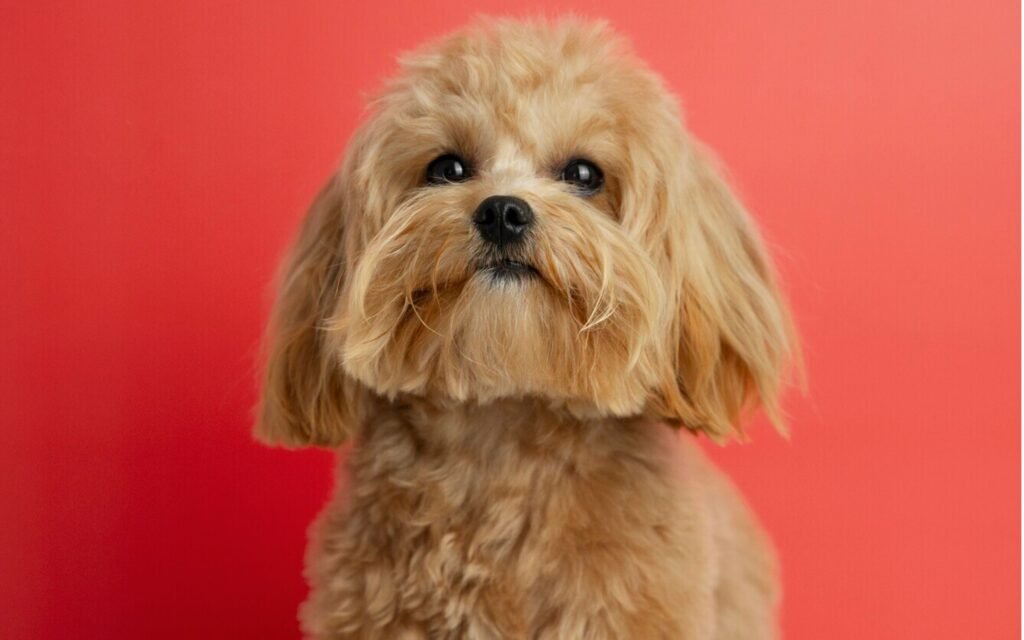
point(307, 399)
point(732, 326)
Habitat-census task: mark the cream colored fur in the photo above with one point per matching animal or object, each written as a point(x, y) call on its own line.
point(512, 473)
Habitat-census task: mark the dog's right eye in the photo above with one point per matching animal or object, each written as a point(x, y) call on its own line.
point(448, 168)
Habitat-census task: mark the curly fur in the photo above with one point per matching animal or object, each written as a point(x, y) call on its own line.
point(511, 476)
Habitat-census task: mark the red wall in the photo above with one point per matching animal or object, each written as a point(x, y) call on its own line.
point(155, 158)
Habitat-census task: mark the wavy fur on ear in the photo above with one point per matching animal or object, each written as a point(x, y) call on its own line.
point(307, 399)
point(733, 329)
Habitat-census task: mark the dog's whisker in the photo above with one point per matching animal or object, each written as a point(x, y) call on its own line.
point(596, 319)
point(412, 305)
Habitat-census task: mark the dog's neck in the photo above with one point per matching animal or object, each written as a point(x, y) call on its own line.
point(507, 440)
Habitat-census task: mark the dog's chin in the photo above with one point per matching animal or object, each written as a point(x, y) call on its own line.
point(502, 333)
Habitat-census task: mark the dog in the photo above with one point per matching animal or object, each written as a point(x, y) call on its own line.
point(525, 278)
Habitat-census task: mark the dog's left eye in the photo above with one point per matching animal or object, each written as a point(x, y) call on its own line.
point(448, 168)
point(584, 175)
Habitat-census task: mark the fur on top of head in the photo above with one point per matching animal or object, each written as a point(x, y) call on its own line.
point(624, 278)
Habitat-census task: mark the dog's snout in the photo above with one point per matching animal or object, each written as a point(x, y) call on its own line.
point(503, 220)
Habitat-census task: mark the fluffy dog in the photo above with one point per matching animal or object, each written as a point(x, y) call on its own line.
point(523, 271)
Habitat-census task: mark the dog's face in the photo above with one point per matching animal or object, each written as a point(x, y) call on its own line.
point(524, 216)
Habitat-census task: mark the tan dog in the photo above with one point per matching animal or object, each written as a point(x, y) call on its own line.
point(524, 269)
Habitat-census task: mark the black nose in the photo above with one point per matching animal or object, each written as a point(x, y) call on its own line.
point(503, 220)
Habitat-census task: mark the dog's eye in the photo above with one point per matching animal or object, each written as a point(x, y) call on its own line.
point(584, 175)
point(448, 168)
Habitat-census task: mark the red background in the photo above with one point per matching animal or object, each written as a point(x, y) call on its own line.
point(156, 158)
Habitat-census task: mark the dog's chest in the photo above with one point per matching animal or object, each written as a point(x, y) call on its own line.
point(518, 543)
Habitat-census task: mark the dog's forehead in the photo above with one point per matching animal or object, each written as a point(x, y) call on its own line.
point(548, 96)
point(542, 123)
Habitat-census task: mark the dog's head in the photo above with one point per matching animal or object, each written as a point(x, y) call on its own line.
point(523, 215)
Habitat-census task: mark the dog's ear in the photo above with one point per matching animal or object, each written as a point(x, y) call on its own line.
point(731, 324)
point(307, 399)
